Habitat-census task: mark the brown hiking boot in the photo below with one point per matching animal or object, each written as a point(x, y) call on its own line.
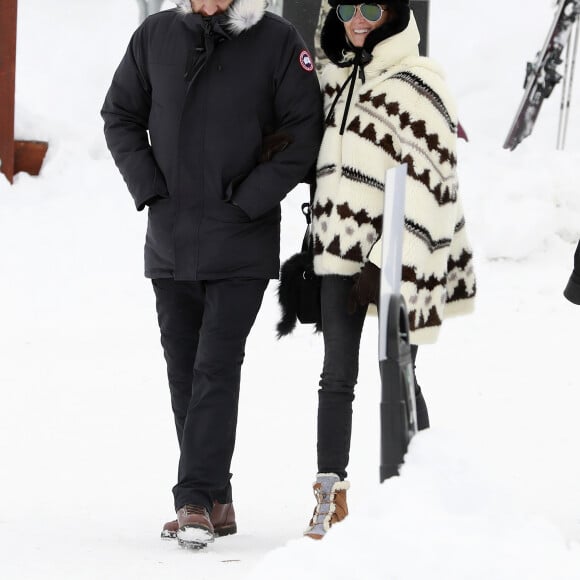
point(169, 531)
point(195, 530)
point(222, 517)
point(331, 506)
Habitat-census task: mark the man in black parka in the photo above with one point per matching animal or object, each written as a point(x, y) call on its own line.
point(213, 116)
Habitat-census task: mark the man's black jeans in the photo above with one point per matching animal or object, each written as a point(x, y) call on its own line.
point(342, 333)
point(204, 327)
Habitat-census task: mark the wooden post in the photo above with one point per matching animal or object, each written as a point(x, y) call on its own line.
point(20, 155)
point(7, 82)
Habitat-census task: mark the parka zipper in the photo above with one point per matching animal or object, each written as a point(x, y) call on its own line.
point(200, 55)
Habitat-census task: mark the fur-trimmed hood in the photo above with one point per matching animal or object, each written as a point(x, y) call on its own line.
point(338, 49)
point(240, 16)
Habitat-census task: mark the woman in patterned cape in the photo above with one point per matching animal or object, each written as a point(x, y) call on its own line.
point(385, 105)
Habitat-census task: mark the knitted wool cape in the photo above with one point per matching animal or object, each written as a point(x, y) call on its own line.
point(401, 113)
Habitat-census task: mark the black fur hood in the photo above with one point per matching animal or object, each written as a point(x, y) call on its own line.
point(335, 44)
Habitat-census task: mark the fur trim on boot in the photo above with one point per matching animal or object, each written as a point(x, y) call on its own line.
point(331, 506)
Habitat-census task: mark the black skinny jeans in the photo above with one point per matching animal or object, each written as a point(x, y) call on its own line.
point(204, 327)
point(342, 333)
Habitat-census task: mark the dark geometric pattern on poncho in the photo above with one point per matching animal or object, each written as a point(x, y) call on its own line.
point(461, 262)
point(354, 253)
point(361, 217)
point(418, 128)
point(320, 210)
point(423, 234)
point(459, 268)
point(422, 322)
point(370, 134)
point(409, 274)
point(426, 91)
point(331, 91)
point(443, 194)
point(359, 177)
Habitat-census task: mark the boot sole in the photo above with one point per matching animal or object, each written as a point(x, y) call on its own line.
point(218, 533)
point(226, 531)
point(194, 537)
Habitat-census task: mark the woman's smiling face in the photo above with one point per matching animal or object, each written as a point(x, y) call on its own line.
point(359, 27)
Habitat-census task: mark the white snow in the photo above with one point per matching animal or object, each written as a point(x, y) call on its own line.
point(87, 445)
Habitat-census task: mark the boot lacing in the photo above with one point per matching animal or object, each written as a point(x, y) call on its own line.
point(322, 499)
point(194, 509)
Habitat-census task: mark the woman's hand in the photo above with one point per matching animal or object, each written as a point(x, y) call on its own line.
point(366, 288)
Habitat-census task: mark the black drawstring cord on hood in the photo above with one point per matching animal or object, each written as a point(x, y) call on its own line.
point(357, 64)
point(338, 94)
point(361, 58)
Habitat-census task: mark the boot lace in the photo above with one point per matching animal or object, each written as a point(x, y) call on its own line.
point(194, 509)
point(323, 499)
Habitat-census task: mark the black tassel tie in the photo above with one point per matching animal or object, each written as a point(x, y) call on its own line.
point(361, 59)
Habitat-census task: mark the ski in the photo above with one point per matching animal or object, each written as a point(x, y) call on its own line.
point(398, 408)
point(542, 75)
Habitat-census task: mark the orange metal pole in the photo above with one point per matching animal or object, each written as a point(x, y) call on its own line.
point(7, 85)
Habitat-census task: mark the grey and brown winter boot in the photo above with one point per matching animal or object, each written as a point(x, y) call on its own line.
point(331, 506)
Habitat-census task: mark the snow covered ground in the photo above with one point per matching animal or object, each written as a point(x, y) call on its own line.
point(87, 447)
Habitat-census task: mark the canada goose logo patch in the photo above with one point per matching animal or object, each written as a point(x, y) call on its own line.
point(306, 61)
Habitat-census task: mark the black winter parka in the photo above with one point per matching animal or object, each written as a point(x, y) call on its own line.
point(185, 120)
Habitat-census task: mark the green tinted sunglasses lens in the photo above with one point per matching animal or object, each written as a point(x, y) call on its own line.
point(372, 12)
point(346, 12)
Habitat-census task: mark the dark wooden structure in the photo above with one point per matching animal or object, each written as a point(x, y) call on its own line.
point(15, 156)
point(421, 11)
point(304, 15)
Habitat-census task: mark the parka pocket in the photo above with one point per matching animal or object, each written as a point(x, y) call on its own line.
point(159, 250)
point(230, 213)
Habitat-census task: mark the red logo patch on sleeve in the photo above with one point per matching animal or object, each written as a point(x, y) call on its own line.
point(306, 61)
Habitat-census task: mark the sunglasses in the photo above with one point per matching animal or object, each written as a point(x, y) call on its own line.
point(370, 12)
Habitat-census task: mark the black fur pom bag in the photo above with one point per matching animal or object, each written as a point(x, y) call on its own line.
point(299, 287)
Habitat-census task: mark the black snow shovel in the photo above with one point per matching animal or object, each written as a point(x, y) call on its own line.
point(398, 408)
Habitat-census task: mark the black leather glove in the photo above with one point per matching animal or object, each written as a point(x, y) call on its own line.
point(274, 143)
point(366, 288)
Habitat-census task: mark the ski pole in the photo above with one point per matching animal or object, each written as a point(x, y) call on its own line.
point(564, 95)
point(568, 83)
